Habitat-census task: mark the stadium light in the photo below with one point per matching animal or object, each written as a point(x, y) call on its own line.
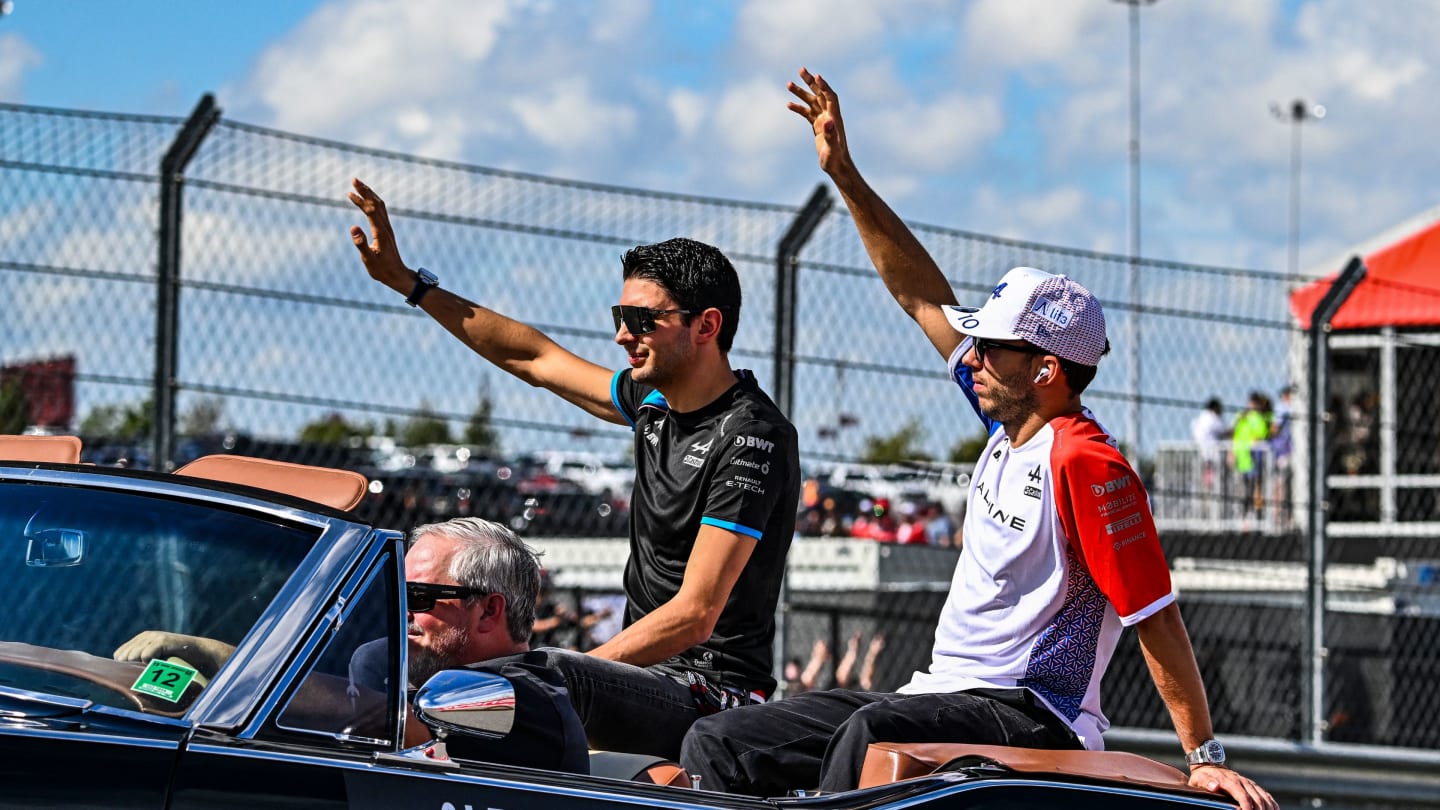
point(1298, 112)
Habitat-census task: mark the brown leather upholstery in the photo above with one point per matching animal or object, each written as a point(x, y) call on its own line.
point(888, 762)
point(665, 773)
point(338, 489)
point(52, 449)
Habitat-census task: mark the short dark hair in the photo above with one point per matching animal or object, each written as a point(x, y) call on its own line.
point(697, 276)
point(1080, 376)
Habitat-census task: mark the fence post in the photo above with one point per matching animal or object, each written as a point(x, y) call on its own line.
point(787, 261)
point(167, 277)
point(1339, 292)
point(787, 264)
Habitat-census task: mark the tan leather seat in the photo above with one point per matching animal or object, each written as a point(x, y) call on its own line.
point(49, 449)
point(889, 762)
point(338, 489)
point(638, 768)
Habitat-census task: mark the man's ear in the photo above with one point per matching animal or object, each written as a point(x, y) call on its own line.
point(489, 613)
point(710, 321)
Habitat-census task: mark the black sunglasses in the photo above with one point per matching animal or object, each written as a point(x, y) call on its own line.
point(984, 346)
point(640, 320)
point(422, 596)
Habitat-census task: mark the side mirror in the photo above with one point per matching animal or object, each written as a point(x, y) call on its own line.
point(467, 702)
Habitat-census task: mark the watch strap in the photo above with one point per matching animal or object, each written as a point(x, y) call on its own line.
point(424, 282)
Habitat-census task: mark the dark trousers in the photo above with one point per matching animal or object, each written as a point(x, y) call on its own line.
point(820, 738)
point(624, 708)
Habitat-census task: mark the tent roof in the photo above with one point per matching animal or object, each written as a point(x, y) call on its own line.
point(1401, 286)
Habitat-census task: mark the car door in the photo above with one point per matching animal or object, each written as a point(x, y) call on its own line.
point(55, 753)
point(336, 705)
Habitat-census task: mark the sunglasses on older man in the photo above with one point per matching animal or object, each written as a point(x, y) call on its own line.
point(420, 597)
point(640, 320)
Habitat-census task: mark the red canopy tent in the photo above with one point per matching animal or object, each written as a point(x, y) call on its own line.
point(1401, 287)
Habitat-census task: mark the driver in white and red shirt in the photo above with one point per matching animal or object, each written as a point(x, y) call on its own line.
point(1060, 548)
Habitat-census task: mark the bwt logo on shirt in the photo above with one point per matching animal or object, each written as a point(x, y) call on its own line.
point(1114, 485)
point(751, 441)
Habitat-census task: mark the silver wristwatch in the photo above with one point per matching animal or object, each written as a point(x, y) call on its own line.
point(424, 282)
point(1210, 752)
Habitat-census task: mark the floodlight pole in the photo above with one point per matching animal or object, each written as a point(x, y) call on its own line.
point(1133, 321)
point(1296, 114)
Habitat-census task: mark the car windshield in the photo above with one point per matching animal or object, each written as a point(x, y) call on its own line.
point(131, 600)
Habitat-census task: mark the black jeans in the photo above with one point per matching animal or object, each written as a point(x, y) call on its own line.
point(820, 738)
point(624, 708)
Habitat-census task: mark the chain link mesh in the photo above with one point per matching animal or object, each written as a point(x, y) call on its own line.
point(288, 350)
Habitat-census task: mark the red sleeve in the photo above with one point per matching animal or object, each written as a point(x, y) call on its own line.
point(1105, 512)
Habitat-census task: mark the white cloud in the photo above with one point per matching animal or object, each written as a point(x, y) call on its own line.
point(1054, 216)
point(620, 21)
point(16, 56)
point(566, 115)
point(688, 109)
point(355, 65)
point(783, 31)
point(942, 133)
point(1016, 33)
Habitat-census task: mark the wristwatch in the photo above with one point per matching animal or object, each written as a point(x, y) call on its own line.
point(424, 282)
point(1210, 752)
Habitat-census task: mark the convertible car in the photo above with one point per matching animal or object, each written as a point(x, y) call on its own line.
point(308, 708)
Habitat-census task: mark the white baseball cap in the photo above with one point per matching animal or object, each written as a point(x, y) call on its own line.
point(1049, 311)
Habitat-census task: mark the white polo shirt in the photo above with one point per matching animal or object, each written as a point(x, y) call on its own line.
point(1060, 553)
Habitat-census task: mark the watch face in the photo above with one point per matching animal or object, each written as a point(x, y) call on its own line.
point(1214, 751)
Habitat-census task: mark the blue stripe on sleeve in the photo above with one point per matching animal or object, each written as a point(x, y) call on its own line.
point(615, 398)
point(731, 526)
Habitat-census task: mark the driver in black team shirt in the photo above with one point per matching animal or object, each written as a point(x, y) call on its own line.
point(716, 486)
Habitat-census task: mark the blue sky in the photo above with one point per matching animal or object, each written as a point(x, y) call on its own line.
point(998, 116)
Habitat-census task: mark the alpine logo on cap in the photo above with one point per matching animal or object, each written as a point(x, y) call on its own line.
point(995, 293)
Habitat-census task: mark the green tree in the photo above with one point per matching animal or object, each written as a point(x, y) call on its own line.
point(479, 433)
point(425, 427)
point(966, 451)
point(332, 428)
point(123, 422)
point(203, 416)
point(900, 446)
point(14, 407)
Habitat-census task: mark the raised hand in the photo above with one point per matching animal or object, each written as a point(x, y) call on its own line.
point(380, 255)
point(821, 107)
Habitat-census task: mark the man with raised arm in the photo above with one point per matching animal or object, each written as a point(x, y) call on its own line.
point(1061, 552)
point(716, 486)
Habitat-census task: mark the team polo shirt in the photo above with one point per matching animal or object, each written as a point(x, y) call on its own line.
point(1060, 553)
point(733, 464)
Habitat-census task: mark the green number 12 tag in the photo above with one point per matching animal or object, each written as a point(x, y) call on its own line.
point(164, 680)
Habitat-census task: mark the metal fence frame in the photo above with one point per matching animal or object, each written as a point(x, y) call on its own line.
point(1357, 773)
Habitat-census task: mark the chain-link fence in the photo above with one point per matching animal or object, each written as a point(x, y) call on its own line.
point(283, 347)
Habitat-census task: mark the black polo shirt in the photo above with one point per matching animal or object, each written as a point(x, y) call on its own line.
point(734, 464)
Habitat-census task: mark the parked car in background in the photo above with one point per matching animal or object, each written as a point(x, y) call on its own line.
point(612, 477)
point(546, 505)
